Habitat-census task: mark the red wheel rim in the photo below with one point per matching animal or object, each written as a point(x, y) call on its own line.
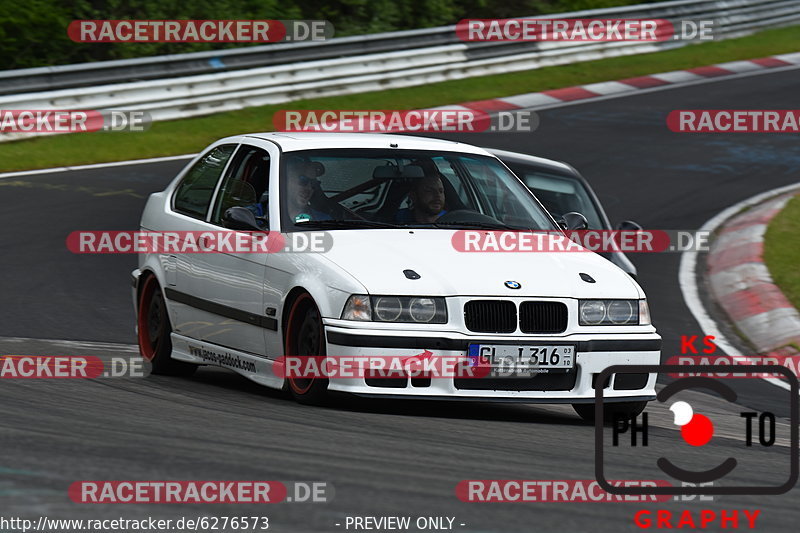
point(150, 318)
point(301, 385)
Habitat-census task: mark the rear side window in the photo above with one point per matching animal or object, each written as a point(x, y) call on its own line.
point(194, 192)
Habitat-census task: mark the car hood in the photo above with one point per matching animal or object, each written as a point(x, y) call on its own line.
point(377, 259)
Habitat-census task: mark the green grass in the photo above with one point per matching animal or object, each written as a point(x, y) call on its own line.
point(190, 135)
point(781, 253)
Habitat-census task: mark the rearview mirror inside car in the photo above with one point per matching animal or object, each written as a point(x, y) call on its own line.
point(394, 172)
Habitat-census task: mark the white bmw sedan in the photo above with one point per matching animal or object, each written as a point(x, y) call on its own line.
point(407, 268)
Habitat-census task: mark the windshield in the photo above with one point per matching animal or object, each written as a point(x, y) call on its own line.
point(560, 194)
point(377, 188)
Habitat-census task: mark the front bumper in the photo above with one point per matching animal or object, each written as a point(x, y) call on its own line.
point(593, 352)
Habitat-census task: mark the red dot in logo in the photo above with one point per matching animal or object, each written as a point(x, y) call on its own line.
point(698, 431)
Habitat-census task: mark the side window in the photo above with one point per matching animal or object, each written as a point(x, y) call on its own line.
point(560, 194)
point(246, 184)
point(194, 192)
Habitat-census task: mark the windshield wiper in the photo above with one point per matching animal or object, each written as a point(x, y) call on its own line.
point(352, 224)
point(480, 225)
point(336, 224)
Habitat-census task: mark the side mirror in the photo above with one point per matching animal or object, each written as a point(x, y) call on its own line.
point(240, 218)
point(629, 225)
point(573, 221)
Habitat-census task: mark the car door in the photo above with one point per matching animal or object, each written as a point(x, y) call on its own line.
point(228, 286)
point(189, 207)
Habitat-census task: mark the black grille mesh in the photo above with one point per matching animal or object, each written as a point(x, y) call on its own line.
point(500, 316)
point(491, 316)
point(542, 317)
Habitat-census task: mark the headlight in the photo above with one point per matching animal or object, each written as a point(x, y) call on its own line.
point(357, 308)
point(613, 312)
point(592, 312)
point(644, 313)
point(622, 311)
point(418, 309)
point(388, 308)
point(422, 309)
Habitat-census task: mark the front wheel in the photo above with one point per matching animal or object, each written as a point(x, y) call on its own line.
point(610, 410)
point(305, 337)
point(154, 331)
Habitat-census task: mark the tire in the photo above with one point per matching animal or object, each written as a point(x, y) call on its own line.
point(626, 409)
point(154, 330)
point(305, 337)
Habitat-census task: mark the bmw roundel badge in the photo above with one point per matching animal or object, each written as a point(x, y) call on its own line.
point(513, 284)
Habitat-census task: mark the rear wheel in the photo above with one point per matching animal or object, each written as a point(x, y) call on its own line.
point(305, 338)
point(610, 410)
point(154, 328)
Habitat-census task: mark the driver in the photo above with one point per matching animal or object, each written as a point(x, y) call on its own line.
point(427, 202)
point(301, 185)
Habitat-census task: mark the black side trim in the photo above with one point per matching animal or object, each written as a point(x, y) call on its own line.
point(222, 310)
point(378, 341)
point(411, 397)
point(639, 345)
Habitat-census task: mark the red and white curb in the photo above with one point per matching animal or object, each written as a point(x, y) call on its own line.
point(555, 97)
point(619, 88)
point(550, 98)
point(741, 283)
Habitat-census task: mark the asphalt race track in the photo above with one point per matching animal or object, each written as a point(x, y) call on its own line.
point(382, 458)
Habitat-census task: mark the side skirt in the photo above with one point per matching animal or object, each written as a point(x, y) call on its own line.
point(255, 368)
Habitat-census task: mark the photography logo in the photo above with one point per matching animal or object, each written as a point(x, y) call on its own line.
point(737, 452)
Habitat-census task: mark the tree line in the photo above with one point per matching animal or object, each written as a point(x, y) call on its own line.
point(33, 33)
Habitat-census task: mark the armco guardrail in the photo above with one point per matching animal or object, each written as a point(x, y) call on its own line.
point(185, 85)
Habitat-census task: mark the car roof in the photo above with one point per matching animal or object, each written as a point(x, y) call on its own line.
point(290, 142)
point(525, 159)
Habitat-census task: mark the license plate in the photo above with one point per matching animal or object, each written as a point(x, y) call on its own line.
point(514, 359)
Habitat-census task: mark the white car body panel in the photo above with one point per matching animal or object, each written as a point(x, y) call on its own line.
point(371, 261)
point(446, 271)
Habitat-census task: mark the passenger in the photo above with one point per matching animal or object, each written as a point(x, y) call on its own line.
point(301, 185)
